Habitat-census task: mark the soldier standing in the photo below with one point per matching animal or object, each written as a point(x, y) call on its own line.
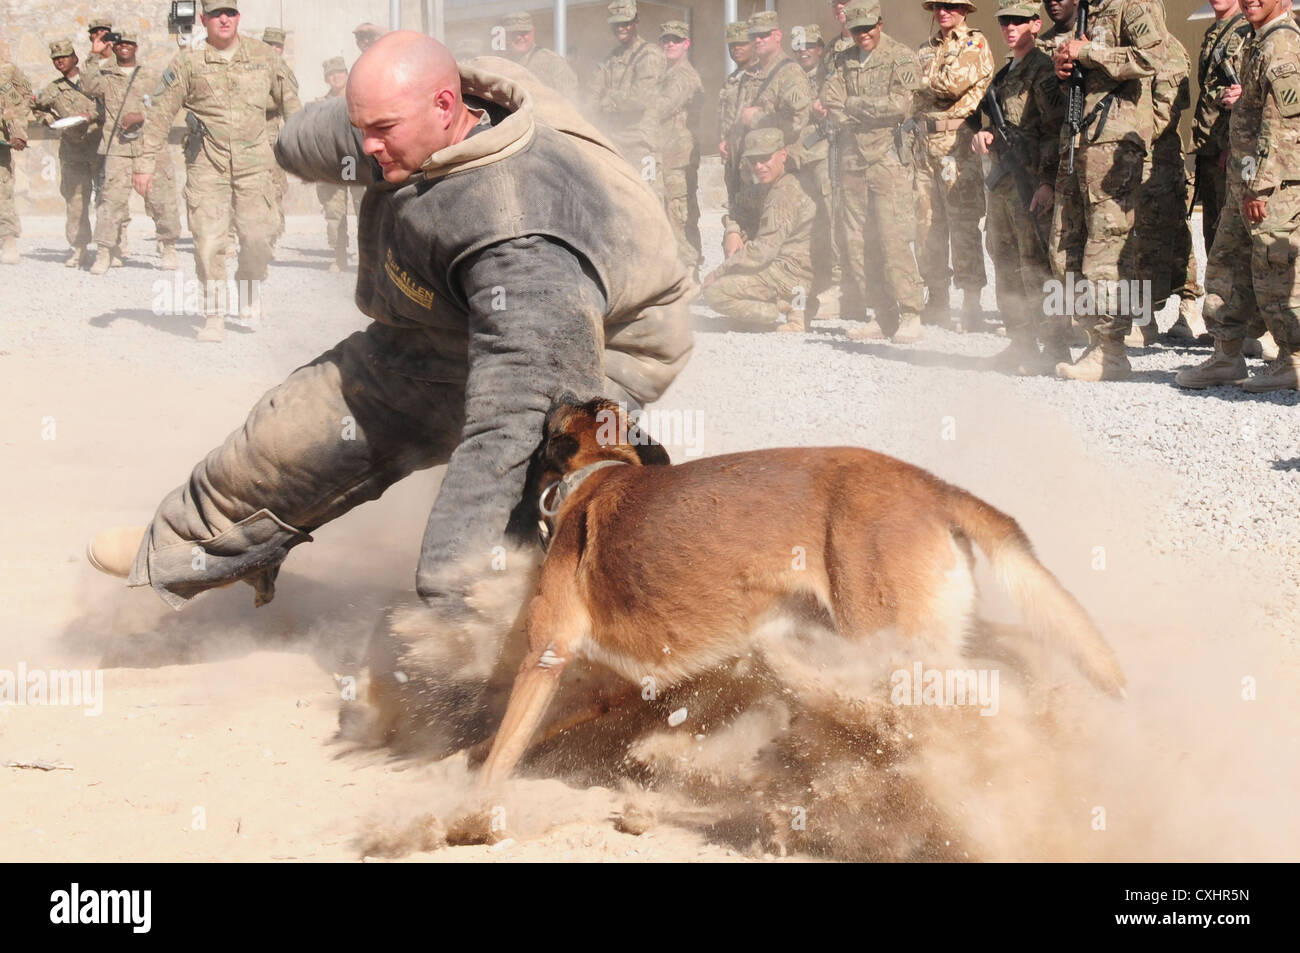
point(868, 98)
point(334, 198)
point(547, 65)
point(226, 85)
point(679, 109)
point(741, 49)
point(1096, 202)
point(769, 275)
point(956, 68)
point(101, 50)
point(812, 152)
point(625, 89)
point(121, 95)
point(78, 146)
point(15, 114)
point(274, 37)
point(1252, 265)
point(1032, 108)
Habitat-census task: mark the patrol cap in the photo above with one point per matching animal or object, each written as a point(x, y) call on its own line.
point(1018, 8)
point(764, 21)
point(212, 6)
point(62, 47)
point(335, 64)
point(368, 28)
point(812, 35)
point(273, 34)
point(968, 4)
point(100, 23)
point(521, 22)
point(737, 32)
point(622, 11)
point(675, 28)
point(761, 143)
point(128, 36)
point(862, 13)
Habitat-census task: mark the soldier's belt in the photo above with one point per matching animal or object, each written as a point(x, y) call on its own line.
point(941, 125)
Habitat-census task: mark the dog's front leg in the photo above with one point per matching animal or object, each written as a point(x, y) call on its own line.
point(553, 637)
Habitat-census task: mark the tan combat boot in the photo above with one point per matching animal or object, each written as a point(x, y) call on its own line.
point(102, 260)
point(9, 251)
point(795, 322)
point(909, 329)
point(1225, 366)
point(1105, 362)
point(871, 331)
point(1282, 374)
point(118, 258)
point(113, 550)
point(214, 329)
point(936, 309)
point(74, 259)
point(1142, 335)
point(167, 251)
point(828, 303)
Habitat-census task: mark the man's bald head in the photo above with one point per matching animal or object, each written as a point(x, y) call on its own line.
point(404, 95)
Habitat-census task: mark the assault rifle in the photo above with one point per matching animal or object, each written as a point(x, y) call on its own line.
point(1078, 83)
point(1008, 146)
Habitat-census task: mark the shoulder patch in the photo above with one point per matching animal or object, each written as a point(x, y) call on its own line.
point(907, 75)
point(1286, 89)
point(1140, 26)
point(169, 77)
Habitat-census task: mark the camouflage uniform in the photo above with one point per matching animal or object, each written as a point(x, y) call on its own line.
point(811, 153)
point(771, 274)
point(274, 123)
point(1093, 233)
point(547, 65)
point(625, 88)
point(1034, 108)
point(78, 147)
point(1165, 251)
point(120, 148)
point(679, 109)
point(334, 198)
point(954, 75)
point(1223, 44)
point(783, 97)
point(868, 98)
point(232, 173)
point(15, 114)
point(730, 98)
point(1264, 162)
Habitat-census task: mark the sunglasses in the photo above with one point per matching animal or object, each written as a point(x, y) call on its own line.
point(224, 12)
point(671, 40)
point(859, 30)
point(761, 36)
point(951, 7)
point(1013, 21)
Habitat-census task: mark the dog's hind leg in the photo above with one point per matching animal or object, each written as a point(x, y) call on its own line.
point(554, 635)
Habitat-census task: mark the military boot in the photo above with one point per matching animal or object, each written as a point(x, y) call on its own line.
point(1282, 374)
point(1142, 335)
point(214, 329)
point(909, 328)
point(936, 309)
point(74, 259)
point(9, 251)
point(1105, 362)
point(167, 251)
point(113, 550)
point(340, 262)
point(1225, 366)
point(1021, 357)
point(795, 322)
point(972, 315)
point(118, 258)
point(828, 303)
point(871, 331)
point(102, 260)
point(1268, 347)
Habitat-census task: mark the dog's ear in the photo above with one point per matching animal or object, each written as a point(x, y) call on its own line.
point(614, 428)
point(652, 454)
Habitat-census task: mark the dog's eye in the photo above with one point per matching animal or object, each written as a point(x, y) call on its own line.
point(560, 449)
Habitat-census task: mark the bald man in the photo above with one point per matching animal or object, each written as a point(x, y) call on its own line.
point(507, 255)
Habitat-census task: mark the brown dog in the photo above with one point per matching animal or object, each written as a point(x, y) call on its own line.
point(664, 570)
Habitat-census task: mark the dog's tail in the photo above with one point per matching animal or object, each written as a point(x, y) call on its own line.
point(1047, 606)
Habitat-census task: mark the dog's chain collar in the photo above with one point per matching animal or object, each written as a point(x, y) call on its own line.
point(559, 491)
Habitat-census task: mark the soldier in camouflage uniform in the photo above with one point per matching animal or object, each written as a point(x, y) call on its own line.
point(1093, 224)
point(226, 85)
point(956, 67)
point(78, 146)
point(1033, 108)
point(1260, 223)
point(770, 274)
point(811, 153)
point(679, 109)
point(776, 94)
point(625, 89)
point(1165, 252)
point(741, 49)
point(274, 37)
point(868, 98)
point(121, 92)
point(334, 198)
point(15, 114)
point(101, 51)
point(547, 65)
